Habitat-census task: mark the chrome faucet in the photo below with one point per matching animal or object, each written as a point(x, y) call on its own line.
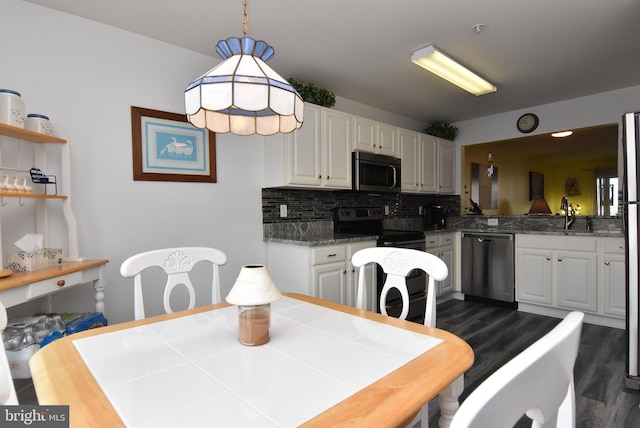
point(569, 213)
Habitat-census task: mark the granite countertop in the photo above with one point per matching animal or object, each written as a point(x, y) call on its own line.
point(320, 239)
point(329, 238)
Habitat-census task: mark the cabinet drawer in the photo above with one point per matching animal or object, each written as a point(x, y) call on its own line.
point(432, 241)
point(328, 254)
point(615, 246)
point(50, 285)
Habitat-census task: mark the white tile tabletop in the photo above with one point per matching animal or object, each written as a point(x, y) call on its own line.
point(191, 370)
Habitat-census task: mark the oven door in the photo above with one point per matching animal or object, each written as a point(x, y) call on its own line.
point(416, 286)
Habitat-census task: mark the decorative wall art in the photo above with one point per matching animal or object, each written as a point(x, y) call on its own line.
point(166, 147)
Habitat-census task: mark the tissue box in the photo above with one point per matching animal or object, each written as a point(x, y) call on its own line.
point(28, 261)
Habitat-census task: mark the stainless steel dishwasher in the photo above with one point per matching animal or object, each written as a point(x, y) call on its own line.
point(488, 265)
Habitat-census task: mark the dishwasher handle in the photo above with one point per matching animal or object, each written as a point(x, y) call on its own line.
point(483, 236)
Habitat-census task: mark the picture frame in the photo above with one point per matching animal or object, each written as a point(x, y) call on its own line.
point(536, 185)
point(166, 147)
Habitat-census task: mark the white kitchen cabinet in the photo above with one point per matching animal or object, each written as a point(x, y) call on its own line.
point(577, 280)
point(534, 275)
point(317, 155)
point(582, 273)
point(443, 246)
point(611, 268)
point(371, 298)
point(446, 167)
point(319, 271)
point(428, 163)
point(375, 137)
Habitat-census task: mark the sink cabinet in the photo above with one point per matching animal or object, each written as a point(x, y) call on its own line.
point(583, 273)
point(320, 271)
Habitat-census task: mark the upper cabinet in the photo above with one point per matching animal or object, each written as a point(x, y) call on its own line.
point(375, 137)
point(316, 155)
point(428, 163)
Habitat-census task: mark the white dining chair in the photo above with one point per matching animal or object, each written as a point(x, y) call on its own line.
point(177, 263)
point(8, 394)
point(537, 382)
point(396, 264)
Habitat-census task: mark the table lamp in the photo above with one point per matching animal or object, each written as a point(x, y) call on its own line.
point(253, 293)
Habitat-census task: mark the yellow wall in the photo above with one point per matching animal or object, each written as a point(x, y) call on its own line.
point(513, 179)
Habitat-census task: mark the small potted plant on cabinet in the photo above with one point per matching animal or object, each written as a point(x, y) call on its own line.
point(443, 130)
point(313, 94)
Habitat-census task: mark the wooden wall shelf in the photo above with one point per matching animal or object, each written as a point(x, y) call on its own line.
point(32, 196)
point(26, 135)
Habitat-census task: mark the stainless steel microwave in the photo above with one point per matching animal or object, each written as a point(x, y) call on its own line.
point(375, 173)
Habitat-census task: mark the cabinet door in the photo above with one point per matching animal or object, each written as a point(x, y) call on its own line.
point(577, 280)
point(410, 156)
point(613, 284)
point(447, 167)
point(446, 286)
point(329, 281)
point(365, 134)
point(387, 140)
point(534, 278)
point(304, 150)
point(337, 149)
point(429, 164)
point(369, 279)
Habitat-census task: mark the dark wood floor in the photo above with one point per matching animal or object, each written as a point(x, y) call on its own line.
point(497, 334)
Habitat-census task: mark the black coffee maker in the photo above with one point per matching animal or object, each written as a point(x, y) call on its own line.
point(434, 217)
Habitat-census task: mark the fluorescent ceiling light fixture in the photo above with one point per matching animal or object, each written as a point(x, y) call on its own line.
point(441, 65)
point(562, 134)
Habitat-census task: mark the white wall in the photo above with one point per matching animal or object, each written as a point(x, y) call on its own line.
point(599, 109)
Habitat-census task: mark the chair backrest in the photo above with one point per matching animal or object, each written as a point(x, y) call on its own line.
point(538, 382)
point(7, 388)
point(396, 264)
point(177, 263)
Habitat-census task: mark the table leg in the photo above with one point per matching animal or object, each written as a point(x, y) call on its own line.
point(448, 401)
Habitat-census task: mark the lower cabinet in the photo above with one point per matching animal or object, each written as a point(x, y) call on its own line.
point(443, 246)
point(572, 273)
point(319, 271)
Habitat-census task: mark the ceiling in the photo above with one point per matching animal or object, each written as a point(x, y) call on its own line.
point(535, 52)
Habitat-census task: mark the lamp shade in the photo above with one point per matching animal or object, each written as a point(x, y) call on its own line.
point(242, 94)
point(540, 206)
point(253, 286)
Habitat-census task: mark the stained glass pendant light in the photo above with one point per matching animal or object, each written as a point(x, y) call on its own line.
point(242, 94)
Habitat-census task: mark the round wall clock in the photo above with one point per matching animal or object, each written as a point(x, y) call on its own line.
point(528, 122)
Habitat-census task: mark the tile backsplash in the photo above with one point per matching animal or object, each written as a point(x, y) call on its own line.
point(305, 205)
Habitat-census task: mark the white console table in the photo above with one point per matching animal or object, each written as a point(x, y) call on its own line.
point(22, 287)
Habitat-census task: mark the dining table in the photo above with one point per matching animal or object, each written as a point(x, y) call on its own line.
point(326, 364)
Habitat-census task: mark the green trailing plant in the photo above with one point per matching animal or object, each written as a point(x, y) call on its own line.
point(442, 130)
point(313, 94)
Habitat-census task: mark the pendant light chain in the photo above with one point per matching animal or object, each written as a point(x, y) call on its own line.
point(245, 19)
